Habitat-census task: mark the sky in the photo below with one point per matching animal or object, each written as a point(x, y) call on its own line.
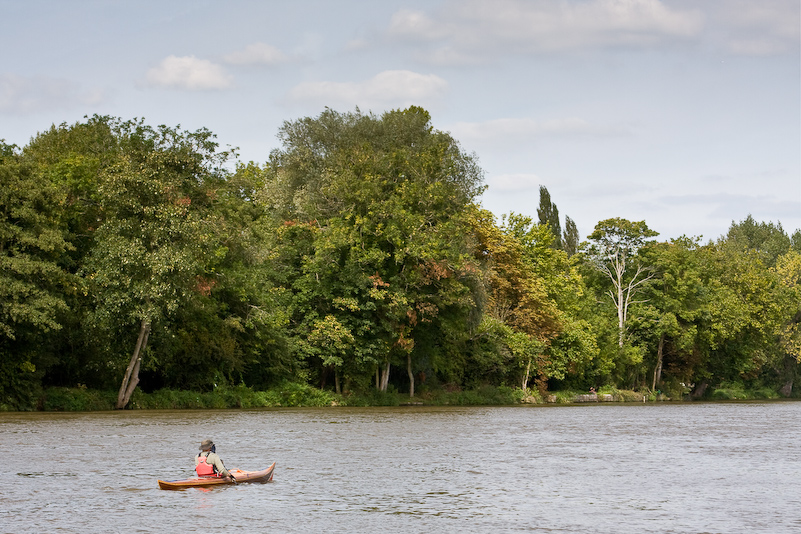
point(683, 113)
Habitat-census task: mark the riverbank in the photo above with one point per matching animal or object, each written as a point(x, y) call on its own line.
point(301, 395)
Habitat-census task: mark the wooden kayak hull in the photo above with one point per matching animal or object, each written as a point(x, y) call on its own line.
point(265, 475)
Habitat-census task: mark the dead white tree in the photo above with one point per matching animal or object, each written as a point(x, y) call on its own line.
point(614, 253)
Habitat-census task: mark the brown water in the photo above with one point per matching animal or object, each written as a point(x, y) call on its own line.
point(686, 468)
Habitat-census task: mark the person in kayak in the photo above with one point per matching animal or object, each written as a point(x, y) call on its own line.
point(208, 463)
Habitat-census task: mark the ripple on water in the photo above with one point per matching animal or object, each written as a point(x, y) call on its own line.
point(605, 468)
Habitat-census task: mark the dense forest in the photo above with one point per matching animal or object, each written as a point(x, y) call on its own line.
point(358, 258)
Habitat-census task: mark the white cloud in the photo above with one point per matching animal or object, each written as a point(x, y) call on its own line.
point(388, 88)
point(188, 72)
point(417, 25)
point(475, 28)
point(256, 54)
point(759, 28)
point(511, 132)
point(24, 95)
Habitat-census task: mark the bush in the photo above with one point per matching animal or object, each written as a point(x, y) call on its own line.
point(626, 395)
point(76, 400)
point(730, 391)
point(566, 397)
point(766, 393)
point(294, 394)
point(375, 398)
point(738, 391)
point(288, 394)
point(483, 396)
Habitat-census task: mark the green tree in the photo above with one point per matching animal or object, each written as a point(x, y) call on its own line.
point(71, 159)
point(32, 280)
point(548, 215)
point(676, 304)
point(520, 313)
point(751, 312)
point(571, 237)
point(573, 346)
point(157, 237)
point(795, 241)
point(767, 239)
point(788, 270)
point(382, 200)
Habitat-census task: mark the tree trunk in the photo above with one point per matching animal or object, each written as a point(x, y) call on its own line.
point(336, 381)
point(699, 390)
point(789, 374)
point(525, 377)
point(658, 368)
point(621, 316)
point(131, 378)
point(411, 376)
point(384, 377)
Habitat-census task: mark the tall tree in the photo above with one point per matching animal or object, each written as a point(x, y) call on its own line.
point(573, 344)
point(520, 313)
point(72, 158)
point(613, 250)
point(549, 216)
point(383, 200)
point(788, 270)
point(571, 237)
point(157, 237)
point(677, 303)
point(767, 239)
point(32, 280)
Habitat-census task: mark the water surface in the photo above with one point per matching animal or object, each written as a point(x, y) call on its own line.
point(664, 468)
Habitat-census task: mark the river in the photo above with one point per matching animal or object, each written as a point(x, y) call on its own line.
point(655, 468)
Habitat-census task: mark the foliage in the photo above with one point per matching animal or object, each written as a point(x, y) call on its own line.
point(32, 282)
point(548, 215)
point(356, 267)
point(379, 254)
point(76, 400)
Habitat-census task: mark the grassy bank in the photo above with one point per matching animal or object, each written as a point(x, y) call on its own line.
point(297, 395)
point(287, 395)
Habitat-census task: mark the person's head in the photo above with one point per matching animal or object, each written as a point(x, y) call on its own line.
point(206, 445)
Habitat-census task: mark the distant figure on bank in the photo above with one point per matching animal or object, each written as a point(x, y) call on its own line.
point(592, 391)
point(208, 464)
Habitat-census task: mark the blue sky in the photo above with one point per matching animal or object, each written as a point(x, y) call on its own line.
point(685, 114)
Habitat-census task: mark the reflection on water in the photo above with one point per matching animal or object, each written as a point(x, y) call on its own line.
point(663, 468)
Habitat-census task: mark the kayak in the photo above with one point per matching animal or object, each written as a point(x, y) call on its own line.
point(265, 475)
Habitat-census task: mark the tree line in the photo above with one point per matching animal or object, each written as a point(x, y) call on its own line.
point(357, 257)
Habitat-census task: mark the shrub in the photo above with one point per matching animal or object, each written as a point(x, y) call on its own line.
point(294, 394)
point(60, 399)
point(626, 395)
point(730, 391)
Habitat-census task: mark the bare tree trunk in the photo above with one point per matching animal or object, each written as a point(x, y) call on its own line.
point(525, 377)
point(621, 316)
point(658, 368)
point(411, 376)
point(336, 381)
point(131, 378)
point(385, 377)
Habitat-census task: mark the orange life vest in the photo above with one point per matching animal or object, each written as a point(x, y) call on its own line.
point(204, 469)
